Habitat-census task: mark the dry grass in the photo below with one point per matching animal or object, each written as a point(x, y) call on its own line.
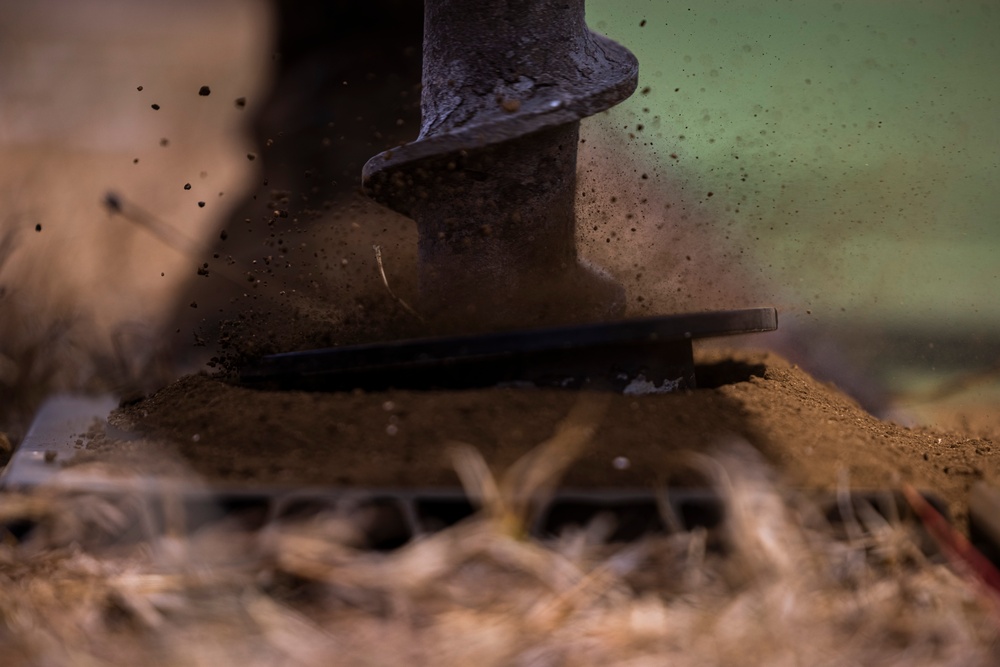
point(771, 587)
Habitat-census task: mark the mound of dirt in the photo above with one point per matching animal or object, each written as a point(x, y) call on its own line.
point(814, 435)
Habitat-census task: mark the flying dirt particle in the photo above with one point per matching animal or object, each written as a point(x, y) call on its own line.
point(251, 157)
point(155, 107)
point(194, 304)
point(201, 204)
point(139, 88)
point(204, 91)
point(113, 202)
point(710, 194)
point(642, 23)
point(241, 102)
point(187, 186)
point(223, 235)
point(135, 160)
point(50, 455)
point(645, 91)
point(164, 142)
point(38, 227)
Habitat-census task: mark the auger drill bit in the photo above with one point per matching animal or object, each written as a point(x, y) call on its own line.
point(491, 179)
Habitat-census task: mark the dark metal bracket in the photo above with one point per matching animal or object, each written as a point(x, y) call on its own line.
point(602, 356)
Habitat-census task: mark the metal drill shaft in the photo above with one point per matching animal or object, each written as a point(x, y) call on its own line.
point(491, 180)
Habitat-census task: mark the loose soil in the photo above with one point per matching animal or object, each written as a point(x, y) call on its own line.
point(813, 434)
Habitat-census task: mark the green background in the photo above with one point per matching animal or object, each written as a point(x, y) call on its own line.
point(868, 137)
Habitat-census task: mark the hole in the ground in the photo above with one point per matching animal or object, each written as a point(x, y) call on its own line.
point(436, 514)
point(632, 519)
